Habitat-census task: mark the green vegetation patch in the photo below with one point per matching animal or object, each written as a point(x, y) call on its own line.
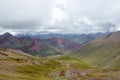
point(74, 61)
point(38, 72)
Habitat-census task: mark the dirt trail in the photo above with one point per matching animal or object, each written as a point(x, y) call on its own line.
point(72, 74)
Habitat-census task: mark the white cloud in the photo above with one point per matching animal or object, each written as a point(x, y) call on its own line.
point(59, 16)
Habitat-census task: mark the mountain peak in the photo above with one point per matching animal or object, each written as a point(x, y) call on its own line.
point(7, 34)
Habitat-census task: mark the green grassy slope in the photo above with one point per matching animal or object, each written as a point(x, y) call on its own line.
point(103, 52)
point(20, 67)
point(15, 65)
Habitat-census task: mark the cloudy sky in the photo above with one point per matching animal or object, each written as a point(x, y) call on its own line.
point(59, 16)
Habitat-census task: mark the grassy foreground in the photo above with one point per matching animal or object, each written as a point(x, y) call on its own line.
point(16, 66)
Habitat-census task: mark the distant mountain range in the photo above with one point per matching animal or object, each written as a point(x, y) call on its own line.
point(37, 46)
point(103, 51)
point(78, 38)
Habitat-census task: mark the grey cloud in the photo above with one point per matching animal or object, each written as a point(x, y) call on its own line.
point(21, 25)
